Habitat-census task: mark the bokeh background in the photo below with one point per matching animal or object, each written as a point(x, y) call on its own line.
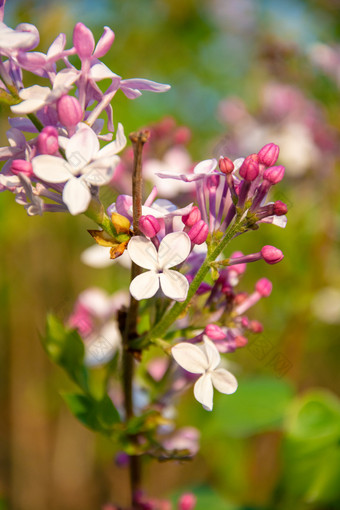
point(243, 73)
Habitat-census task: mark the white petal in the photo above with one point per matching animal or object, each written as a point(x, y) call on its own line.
point(28, 106)
point(103, 347)
point(206, 166)
point(145, 285)
point(212, 353)
point(174, 249)
point(76, 196)
point(204, 391)
point(81, 148)
point(224, 381)
point(143, 252)
point(174, 284)
point(190, 357)
point(101, 171)
point(114, 147)
point(51, 169)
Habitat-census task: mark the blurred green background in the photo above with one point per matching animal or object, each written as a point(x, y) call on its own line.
point(275, 444)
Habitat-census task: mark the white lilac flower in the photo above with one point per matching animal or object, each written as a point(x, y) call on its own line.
point(204, 359)
point(86, 164)
point(173, 249)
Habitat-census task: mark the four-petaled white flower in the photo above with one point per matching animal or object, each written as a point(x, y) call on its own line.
point(86, 164)
point(204, 359)
point(173, 249)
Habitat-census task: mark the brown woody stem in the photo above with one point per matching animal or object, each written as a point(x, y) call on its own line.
point(130, 331)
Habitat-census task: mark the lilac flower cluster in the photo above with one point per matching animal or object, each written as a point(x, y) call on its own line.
point(62, 165)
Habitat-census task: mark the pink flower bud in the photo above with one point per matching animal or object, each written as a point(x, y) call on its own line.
point(240, 298)
point(104, 43)
point(264, 287)
point(149, 225)
point(83, 40)
point(280, 208)
point(268, 154)
point(199, 232)
point(21, 166)
point(250, 168)
point(214, 332)
point(256, 326)
point(245, 322)
point(69, 111)
point(274, 174)
point(187, 501)
point(48, 140)
point(241, 341)
point(193, 217)
point(226, 166)
point(271, 255)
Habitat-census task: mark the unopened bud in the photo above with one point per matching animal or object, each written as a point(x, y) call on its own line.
point(271, 255)
point(274, 174)
point(120, 223)
point(268, 154)
point(264, 287)
point(69, 111)
point(48, 140)
point(149, 225)
point(187, 501)
point(250, 168)
point(226, 166)
point(240, 298)
point(199, 232)
point(256, 326)
point(280, 208)
point(214, 332)
point(241, 341)
point(83, 40)
point(21, 166)
point(193, 217)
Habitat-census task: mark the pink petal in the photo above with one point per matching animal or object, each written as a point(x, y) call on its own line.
point(174, 249)
point(145, 285)
point(114, 147)
point(104, 43)
point(174, 285)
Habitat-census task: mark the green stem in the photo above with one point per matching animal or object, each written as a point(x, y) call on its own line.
point(169, 318)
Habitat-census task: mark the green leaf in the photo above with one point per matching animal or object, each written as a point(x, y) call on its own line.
point(66, 348)
point(97, 415)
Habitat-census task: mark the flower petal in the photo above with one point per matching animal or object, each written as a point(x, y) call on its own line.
point(224, 381)
point(174, 249)
point(76, 196)
point(143, 252)
point(204, 391)
point(145, 285)
point(114, 147)
point(51, 169)
point(212, 353)
point(81, 148)
point(174, 284)
point(206, 166)
point(190, 357)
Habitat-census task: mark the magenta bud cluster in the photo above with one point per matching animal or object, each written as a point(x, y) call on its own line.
point(21, 166)
point(69, 111)
point(271, 255)
point(264, 287)
point(193, 217)
point(199, 232)
point(149, 225)
point(250, 167)
point(269, 154)
point(48, 140)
